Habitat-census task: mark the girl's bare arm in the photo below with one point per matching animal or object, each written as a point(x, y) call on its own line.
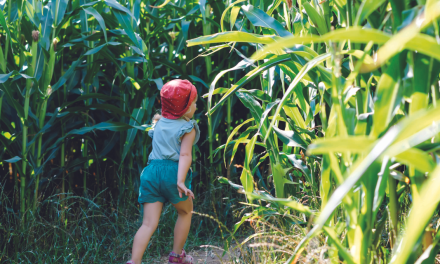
point(185, 160)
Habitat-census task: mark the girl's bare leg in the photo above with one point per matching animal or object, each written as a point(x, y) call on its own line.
point(181, 230)
point(152, 213)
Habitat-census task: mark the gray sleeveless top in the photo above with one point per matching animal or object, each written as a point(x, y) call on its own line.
point(166, 134)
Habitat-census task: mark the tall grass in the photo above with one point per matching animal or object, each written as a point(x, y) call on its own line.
point(93, 231)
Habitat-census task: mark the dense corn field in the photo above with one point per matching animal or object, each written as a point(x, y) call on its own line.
point(320, 127)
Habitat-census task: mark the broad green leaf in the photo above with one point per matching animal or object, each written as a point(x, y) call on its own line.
point(293, 112)
point(379, 191)
point(425, 73)
point(266, 197)
point(335, 241)
point(63, 79)
point(13, 160)
point(90, 96)
point(300, 164)
point(309, 65)
point(107, 107)
point(400, 41)
point(46, 28)
point(354, 34)
point(31, 14)
point(232, 135)
point(356, 144)
point(243, 219)
point(242, 140)
point(202, 5)
point(234, 13)
point(133, 82)
point(98, 17)
point(266, 113)
point(5, 28)
point(325, 187)
point(133, 58)
point(173, 66)
point(158, 82)
point(197, 79)
point(5, 77)
point(183, 36)
point(162, 5)
point(279, 179)
point(317, 19)
point(420, 160)
point(125, 21)
point(137, 115)
point(58, 10)
point(246, 177)
point(383, 146)
point(241, 65)
point(273, 6)
point(10, 96)
point(430, 253)
point(387, 90)
point(226, 11)
point(119, 7)
point(53, 153)
point(224, 180)
point(418, 42)
point(254, 107)
point(292, 69)
point(112, 126)
point(420, 215)
point(282, 201)
point(366, 8)
point(258, 94)
point(259, 18)
point(247, 78)
point(290, 138)
point(216, 91)
point(359, 169)
point(231, 36)
point(257, 112)
point(95, 50)
point(423, 119)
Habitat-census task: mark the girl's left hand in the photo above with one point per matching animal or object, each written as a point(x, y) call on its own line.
point(182, 189)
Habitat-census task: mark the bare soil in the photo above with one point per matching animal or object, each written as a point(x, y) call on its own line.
point(205, 255)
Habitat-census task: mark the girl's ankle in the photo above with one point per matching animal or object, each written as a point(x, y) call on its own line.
point(178, 250)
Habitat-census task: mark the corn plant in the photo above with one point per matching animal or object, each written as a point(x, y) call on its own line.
point(361, 101)
point(79, 82)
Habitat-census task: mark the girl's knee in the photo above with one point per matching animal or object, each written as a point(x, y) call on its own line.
point(149, 224)
point(184, 211)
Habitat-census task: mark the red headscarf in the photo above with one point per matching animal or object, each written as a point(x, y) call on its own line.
point(176, 97)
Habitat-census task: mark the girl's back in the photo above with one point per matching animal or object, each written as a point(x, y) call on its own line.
point(167, 137)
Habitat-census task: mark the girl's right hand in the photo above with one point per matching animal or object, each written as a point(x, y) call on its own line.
point(182, 189)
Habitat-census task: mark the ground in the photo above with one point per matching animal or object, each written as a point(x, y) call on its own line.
point(205, 255)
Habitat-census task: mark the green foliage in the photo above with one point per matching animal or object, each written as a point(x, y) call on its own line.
point(340, 123)
point(79, 85)
point(362, 98)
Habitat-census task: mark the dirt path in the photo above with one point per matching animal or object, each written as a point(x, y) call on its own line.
point(206, 255)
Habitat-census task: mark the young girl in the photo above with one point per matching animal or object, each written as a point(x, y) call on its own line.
point(167, 176)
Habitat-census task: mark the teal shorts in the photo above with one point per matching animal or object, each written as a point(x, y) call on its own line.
point(159, 182)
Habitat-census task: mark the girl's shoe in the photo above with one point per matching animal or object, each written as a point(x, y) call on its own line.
point(129, 262)
point(180, 259)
